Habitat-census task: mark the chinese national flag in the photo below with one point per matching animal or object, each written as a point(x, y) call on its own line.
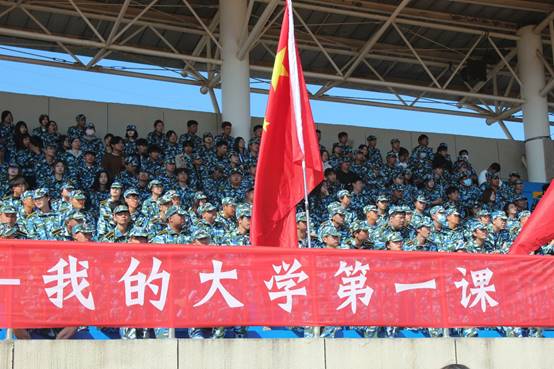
point(288, 139)
point(538, 231)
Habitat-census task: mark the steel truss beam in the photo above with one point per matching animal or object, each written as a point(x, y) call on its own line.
point(99, 69)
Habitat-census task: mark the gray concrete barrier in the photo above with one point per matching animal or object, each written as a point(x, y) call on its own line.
point(476, 353)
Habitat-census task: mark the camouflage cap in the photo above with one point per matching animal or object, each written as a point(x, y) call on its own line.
point(394, 237)
point(369, 208)
point(425, 222)
point(199, 196)
point(39, 193)
point(171, 194)
point(483, 213)
point(175, 210)
point(7, 208)
point(452, 211)
point(301, 217)
point(131, 192)
point(407, 209)
point(343, 193)
point(244, 212)
point(235, 171)
point(477, 225)
point(68, 186)
point(391, 154)
point(334, 208)
point(164, 199)
point(78, 195)
point(153, 183)
point(27, 194)
point(207, 207)
point(228, 201)
point(499, 214)
point(329, 231)
point(395, 210)
point(81, 228)
point(200, 234)
point(116, 184)
point(76, 215)
point(131, 127)
point(170, 160)
point(422, 199)
point(138, 232)
point(371, 138)
point(121, 209)
point(382, 198)
point(436, 209)
point(359, 226)
point(523, 214)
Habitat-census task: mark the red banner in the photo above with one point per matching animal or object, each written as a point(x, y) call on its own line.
point(55, 284)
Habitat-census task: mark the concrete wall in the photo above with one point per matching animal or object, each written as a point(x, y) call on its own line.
point(478, 353)
point(113, 118)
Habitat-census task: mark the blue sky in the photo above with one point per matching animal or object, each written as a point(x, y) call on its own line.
point(57, 82)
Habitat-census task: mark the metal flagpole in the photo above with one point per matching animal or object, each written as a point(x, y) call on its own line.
point(295, 94)
point(306, 204)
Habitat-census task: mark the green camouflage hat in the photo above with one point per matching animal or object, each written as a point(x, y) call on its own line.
point(175, 210)
point(200, 234)
point(82, 229)
point(329, 231)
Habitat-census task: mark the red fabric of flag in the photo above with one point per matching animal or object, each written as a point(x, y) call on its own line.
point(288, 139)
point(539, 229)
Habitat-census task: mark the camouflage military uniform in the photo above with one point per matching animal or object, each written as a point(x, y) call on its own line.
point(40, 226)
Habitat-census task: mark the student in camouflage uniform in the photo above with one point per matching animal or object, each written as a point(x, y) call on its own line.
point(360, 237)
point(208, 222)
point(453, 235)
point(43, 221)
point(122, 221)
point(240, 236)
point(176, 231)
point(227, 214)
point(336, 220)
point(499, 237)
point(421, 242)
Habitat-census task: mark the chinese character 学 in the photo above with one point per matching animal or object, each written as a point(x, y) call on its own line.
point(135, 284)
point(353, 286)
point(285, 283)
point(481, 289)
point(216, 277)
point(74, 279)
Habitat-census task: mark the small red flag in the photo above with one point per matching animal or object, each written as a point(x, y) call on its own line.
point(289, 139)
point(539, 229)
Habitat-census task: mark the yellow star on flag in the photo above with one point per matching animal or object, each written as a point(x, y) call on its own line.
point(266, 123)
point(279, 68)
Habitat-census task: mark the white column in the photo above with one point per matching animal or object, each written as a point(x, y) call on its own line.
point(235, 73)
point(535, 108)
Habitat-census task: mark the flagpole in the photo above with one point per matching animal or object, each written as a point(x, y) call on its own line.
point(295, 92)
point(306, 204)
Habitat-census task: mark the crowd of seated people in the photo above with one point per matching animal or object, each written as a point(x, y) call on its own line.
point(183, 188)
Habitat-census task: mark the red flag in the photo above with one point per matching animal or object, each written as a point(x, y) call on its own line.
point(288, 139)
point(539, 229)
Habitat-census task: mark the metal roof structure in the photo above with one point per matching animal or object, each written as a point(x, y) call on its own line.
point(460, 53)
